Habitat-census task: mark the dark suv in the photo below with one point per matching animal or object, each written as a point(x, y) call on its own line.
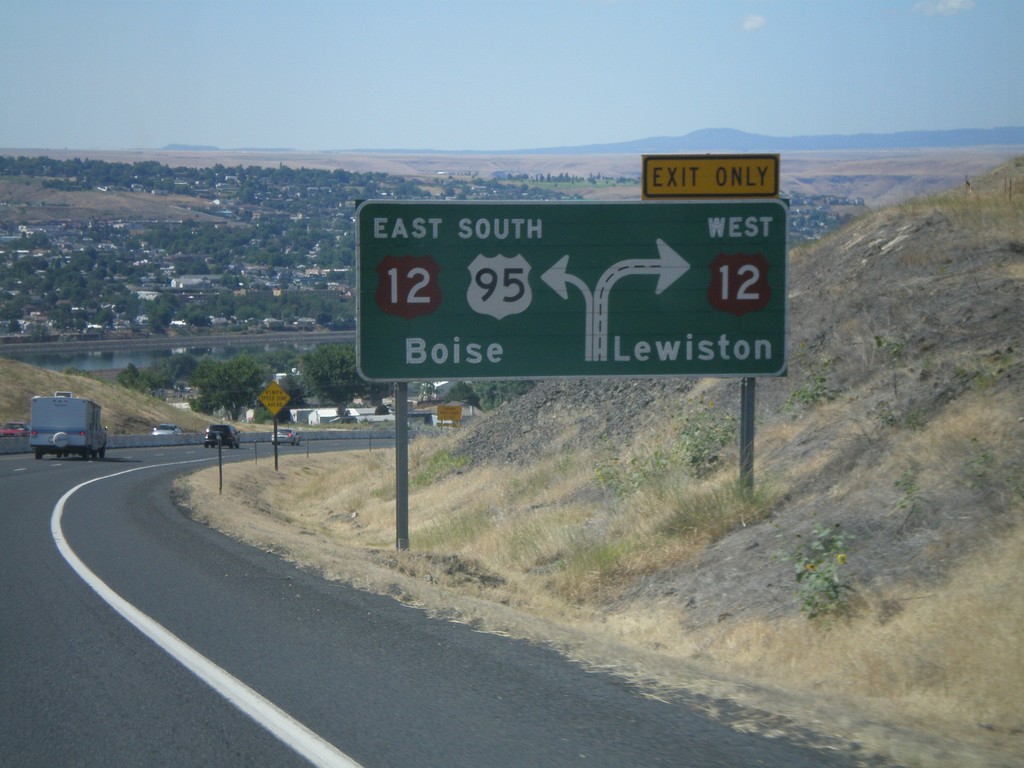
point(225, 433)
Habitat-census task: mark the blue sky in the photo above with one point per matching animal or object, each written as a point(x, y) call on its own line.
point(497, 74)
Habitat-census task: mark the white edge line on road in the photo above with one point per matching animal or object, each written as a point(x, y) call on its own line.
point(297, 736)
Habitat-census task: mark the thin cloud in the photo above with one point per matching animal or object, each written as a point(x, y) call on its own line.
point(943, 7)
point(751, 23)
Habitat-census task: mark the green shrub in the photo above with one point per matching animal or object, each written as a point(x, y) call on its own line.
point(818, 564)
point(705, 432)
point(815, 388)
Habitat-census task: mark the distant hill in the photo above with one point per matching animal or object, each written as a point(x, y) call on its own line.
point(191, 148)
point(730, 140)
point(212, 148)
point(887, 169)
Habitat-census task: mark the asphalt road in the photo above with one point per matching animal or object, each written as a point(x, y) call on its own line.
point(217, 654)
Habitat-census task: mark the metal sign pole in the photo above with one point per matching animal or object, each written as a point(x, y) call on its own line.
point(748, 390)
point(274, 441)
point(402, 465)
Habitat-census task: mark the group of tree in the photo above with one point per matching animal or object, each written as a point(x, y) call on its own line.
point(228, 387)
point(150, 175)
point(94, 287)
point(326, 375)
point(173, 371)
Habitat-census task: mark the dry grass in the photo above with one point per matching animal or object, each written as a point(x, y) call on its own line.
point(947, 654)
point(532, 551)
point(987, 211)
point(970, 457)
point(944, 658)
point(124, 411)
point(949, 657)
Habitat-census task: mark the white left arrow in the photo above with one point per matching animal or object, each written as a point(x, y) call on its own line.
point(559, 279)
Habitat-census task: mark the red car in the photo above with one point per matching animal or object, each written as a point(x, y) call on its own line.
point(14, 429)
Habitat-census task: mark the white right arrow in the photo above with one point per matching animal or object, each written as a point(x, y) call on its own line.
point(669, 267)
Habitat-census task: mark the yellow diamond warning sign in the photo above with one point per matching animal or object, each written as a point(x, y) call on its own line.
point(679, 176)
point(274, 398)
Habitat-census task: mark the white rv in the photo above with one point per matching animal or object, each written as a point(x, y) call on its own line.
point(65, 425)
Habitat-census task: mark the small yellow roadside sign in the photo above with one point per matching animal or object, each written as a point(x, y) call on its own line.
point(679, 176)
point(452, 413)
point(274, 397)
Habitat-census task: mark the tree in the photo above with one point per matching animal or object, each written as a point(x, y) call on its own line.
point(330, 373)
point(161, 313)
point(105, 317)
point(130, 378)
point(197, 317)
point(463, 392)
point(494, 393)
point(296, 390)
point(231, 386)
point(178, 367)
point(145, 380)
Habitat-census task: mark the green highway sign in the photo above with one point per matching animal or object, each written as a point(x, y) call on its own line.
point(453, 290)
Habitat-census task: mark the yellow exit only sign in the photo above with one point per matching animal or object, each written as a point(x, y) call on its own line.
point(678, 176)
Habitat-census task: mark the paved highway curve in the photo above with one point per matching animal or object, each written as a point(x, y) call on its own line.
point(229, 656)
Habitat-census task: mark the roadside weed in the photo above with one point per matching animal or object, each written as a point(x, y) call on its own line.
point(815, 388)
point(818, 563)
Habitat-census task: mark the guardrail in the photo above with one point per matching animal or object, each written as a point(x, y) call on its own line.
point(9, 445)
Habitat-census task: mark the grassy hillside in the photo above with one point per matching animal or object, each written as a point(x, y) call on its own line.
point(124, 411)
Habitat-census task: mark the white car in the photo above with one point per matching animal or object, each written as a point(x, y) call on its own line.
point(285, 436)
point(166, 429)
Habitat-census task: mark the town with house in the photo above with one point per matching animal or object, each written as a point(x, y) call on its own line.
point(236, 249)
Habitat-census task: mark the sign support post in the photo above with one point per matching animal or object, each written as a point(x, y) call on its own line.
point(748, 392)
point(274, 441)
point(402, 465)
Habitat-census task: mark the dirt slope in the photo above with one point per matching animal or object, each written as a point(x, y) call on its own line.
point(908, 317)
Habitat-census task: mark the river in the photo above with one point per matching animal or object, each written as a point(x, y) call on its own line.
point(117, 354)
